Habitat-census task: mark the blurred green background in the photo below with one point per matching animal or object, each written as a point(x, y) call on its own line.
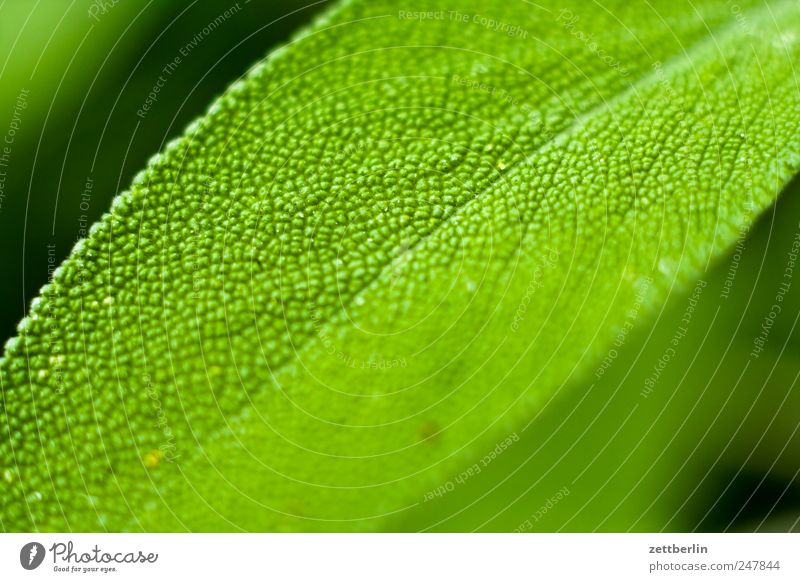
point(715, 446)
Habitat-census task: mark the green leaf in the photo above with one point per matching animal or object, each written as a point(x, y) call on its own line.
point(383, 252)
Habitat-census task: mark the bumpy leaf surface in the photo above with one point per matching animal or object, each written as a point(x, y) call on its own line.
point(382, 251)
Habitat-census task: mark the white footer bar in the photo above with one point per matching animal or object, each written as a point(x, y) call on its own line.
point(400, 557)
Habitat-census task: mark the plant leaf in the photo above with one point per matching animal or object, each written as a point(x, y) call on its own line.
point(384, 249)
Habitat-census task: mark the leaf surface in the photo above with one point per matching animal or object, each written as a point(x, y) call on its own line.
point(382, 251)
